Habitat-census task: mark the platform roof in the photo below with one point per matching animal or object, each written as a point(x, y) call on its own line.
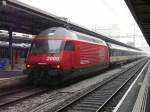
point(20, 17)
point(16, 39)
point(140, 10)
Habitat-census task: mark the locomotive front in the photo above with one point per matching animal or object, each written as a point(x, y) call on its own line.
point(46, 57)
point(44, 54)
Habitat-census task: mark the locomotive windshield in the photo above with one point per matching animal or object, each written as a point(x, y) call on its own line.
point(46, 46)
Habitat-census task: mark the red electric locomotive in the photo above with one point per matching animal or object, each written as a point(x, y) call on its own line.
point(57, 54)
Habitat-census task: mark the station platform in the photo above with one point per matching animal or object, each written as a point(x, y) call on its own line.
point(10, 79)
point(137, 97)
point(10, 73)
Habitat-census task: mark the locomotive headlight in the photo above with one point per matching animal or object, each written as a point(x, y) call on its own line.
point(28, 66)
point(58, 66)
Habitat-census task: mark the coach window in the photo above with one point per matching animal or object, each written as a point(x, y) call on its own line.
point(69, 46)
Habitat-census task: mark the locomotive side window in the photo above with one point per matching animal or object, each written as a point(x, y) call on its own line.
point(69, 46)
point(87, 38)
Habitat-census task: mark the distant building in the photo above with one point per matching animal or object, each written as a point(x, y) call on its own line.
point(114, 30)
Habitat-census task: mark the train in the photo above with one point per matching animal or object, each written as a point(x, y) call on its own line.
point(20, 47)
point(18, 57)
point(58, 54)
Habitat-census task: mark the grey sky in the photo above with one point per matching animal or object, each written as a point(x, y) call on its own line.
point(102, 13)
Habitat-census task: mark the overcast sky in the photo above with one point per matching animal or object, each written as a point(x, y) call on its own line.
point(92, 13)
point(88, 13)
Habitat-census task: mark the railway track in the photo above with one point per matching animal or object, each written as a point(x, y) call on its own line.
point(79, 101)
point(20, 94)
point(96, 98)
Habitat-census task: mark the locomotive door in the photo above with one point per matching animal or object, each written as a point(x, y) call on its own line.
point(70, 54)
point(102, 54)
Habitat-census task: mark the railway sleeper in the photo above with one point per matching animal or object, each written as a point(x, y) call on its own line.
point(94, 103)
point(100, 93)
point(94, 100)
point(87, 109)
point(87, 105)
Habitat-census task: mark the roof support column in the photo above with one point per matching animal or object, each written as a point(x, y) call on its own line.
point(10, 50)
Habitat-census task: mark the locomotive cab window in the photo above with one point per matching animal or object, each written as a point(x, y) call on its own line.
point(46, 46)
point(69, 46)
